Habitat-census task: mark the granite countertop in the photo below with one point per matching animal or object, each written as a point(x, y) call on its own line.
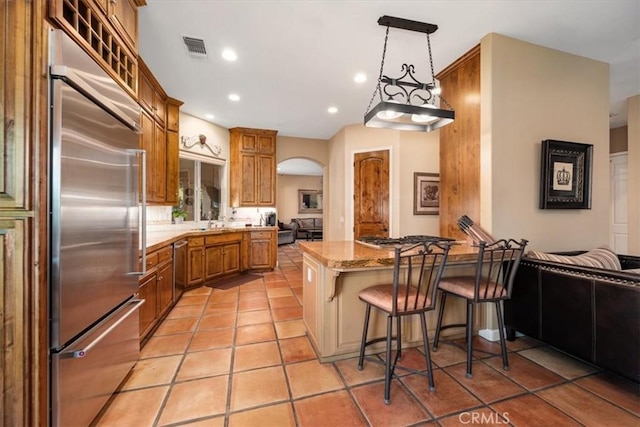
point(345, 255)
point(158, 239)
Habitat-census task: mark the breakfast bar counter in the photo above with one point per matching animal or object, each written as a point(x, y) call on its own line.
point(334, 272)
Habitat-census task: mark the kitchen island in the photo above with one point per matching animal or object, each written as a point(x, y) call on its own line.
point(333, 274)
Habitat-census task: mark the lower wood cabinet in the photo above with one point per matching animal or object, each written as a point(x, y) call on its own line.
point(222, 254)
point(195, 261)
point(218, 254)
point(148, 291)
point(263, 249)
point(222, 259)
point(156, 288)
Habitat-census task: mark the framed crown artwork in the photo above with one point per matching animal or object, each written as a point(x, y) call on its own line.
point(565, 175)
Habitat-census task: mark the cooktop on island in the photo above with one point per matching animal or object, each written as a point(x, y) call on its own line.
point(389, 242)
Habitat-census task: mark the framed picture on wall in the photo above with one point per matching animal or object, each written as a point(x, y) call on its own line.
point(565, 175)
point(426, 193)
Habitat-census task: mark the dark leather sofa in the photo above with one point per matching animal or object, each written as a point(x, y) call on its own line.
point(590, 313)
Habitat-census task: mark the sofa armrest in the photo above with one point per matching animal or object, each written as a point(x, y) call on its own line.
point(629, 262)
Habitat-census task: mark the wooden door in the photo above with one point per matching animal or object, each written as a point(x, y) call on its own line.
point(371, 194)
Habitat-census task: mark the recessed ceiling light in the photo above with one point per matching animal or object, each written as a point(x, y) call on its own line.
point(209, 116)
point(332, 110)
point(234, 97)
point(360, 78)
point(229, 55)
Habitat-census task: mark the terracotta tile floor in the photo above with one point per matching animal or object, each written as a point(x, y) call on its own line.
point(237, 355)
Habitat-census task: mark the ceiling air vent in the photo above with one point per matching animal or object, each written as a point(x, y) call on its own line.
point(195, 46)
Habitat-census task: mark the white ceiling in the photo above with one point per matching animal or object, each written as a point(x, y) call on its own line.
point(297, 58)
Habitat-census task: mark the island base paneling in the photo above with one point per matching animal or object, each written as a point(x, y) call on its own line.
point(334, 316)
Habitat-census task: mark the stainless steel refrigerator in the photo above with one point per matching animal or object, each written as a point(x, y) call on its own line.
point(95, 234)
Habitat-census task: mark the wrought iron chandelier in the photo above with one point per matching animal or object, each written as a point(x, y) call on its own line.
point(405, 102)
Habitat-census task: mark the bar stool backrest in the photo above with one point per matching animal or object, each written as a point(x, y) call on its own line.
point(416, 275)
point(496, 268)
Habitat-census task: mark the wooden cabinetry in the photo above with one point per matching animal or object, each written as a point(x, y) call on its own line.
point(23, 215)
point(172, 151)
point(123, 15)
point(160, 125)
point(222, 255)
point(151, 96)
point(148, 291)
point(262, 252)
point(107, 30)
point(156, 288)
point(460, 145)
point(252, 175)
point(195, 261)
point(218, 255)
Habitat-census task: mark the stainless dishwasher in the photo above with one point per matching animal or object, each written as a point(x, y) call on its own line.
point(179, 265)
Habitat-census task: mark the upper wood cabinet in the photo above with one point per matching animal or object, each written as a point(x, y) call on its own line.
point(252, 175)
point(107, 30)
point(151, 96)
point(173, 168)
point(173, 150)
point(173, 114)
point(123, 15)
point(160, 118)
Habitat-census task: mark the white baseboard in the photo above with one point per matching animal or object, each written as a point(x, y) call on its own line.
point(493, 334)
point(489, 334)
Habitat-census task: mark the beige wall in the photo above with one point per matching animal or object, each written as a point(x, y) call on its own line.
point(618, 140)
point(216, 135)
point(289, 147)
point(531, 93)
point(306, 148)
point(633, 186)
point(287, 198)
point(409, 152)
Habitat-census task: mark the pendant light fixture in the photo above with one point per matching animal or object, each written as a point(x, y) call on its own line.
point(405, 102)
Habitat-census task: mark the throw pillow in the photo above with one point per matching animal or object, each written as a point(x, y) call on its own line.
point(566, 259)
point(602, 257)
point(606, 257)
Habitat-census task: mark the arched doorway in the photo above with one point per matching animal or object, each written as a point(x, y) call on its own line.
point(294, 175)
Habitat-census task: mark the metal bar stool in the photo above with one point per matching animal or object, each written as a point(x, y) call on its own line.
point(495, 272)
point(416, 273)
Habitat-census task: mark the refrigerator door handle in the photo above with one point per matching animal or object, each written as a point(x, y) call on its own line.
point(143, 214)
point(83, 351)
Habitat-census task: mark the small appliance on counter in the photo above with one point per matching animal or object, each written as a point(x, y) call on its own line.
point(270, 218)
